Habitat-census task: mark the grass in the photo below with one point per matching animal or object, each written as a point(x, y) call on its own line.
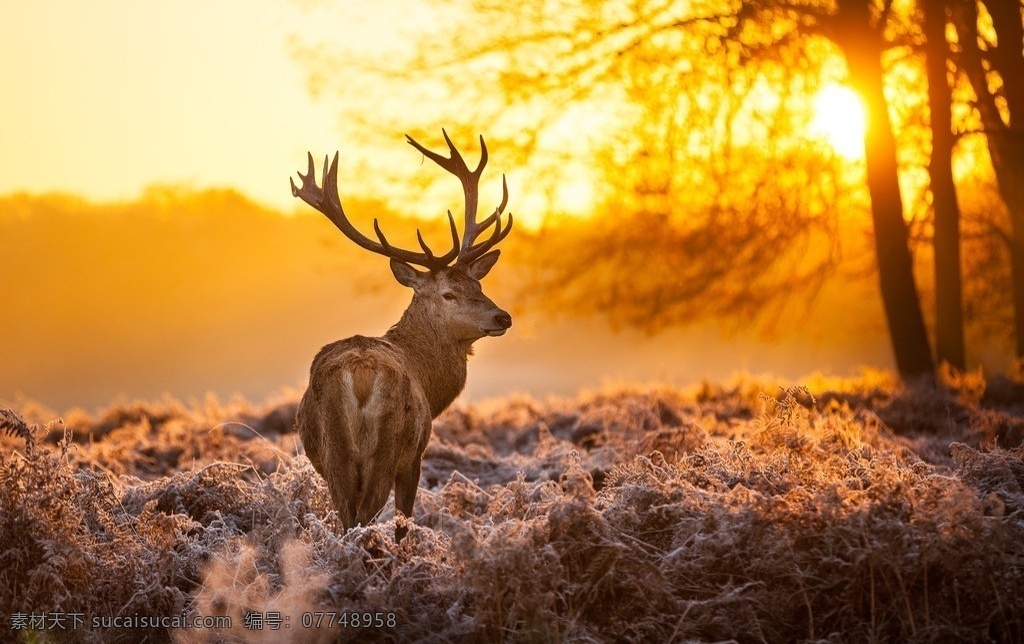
point(836, 510)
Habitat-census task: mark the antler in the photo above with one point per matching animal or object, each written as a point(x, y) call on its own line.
point(456, 165)
point(327, 201)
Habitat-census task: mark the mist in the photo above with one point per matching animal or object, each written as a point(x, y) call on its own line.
point(189, 294)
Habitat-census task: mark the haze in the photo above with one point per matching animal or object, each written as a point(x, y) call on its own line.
point(149, 243)
point(106, 98)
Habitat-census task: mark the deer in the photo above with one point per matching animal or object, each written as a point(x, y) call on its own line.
point(365, 418)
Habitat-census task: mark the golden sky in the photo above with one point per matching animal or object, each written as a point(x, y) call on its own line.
point(106, 97)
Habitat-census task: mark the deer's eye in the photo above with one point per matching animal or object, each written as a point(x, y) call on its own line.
point(450, 297)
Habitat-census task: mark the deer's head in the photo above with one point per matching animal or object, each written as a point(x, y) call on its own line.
point(448, 292)
point(453, 299)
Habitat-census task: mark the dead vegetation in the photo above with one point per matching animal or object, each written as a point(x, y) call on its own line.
point(845, 510)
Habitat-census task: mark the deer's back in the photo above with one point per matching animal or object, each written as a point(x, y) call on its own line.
point(361, 400)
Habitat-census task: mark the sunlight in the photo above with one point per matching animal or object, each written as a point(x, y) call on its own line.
point(840, 119)
point(576, 196)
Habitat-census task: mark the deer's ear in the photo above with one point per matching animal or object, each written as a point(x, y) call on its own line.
point(482, 266)
point(405, 274)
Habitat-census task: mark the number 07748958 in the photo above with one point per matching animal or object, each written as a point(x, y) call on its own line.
point(347, 619)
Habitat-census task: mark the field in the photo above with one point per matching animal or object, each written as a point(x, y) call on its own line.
point(830, 510)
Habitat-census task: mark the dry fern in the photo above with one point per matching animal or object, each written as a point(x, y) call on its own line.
point(746, 513)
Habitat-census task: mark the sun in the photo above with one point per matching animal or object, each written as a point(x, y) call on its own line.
point(840, 120)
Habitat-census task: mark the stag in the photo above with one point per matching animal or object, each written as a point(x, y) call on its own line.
point(366, 417)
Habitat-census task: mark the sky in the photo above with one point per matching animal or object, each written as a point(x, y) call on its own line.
point(106, 97)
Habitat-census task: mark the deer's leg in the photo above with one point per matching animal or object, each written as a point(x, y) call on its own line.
point(406, 484)
point(376, 487)
point(372, 503)
point(343, 484)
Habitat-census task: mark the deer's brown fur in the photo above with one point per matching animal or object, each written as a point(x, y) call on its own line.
point(365, 418)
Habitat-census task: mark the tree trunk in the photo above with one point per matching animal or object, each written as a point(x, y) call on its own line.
point(1005, 136)
point(1008, 59)
point(949, 320)
point(862, 44)
point(1008, 161)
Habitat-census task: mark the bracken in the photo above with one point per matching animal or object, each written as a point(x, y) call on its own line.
point(743, 512)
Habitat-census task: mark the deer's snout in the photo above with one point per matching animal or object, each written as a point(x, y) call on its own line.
point(502, 322)
point(503, 319)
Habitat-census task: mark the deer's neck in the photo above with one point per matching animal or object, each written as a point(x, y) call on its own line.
point(434, 359)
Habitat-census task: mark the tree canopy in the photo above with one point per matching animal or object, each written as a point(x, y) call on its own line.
point(685, 128)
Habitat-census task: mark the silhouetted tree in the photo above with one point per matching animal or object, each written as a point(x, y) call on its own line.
point(683, 72)
point(990, 38)
point(949, 321)
point(859, 32)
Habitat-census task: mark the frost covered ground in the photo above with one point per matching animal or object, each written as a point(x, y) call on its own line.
point(833, 510)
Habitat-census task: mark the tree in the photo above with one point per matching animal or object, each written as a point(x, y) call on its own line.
point(990, 40)
point(860, 36)
point(949, 324)
point(688, 78)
